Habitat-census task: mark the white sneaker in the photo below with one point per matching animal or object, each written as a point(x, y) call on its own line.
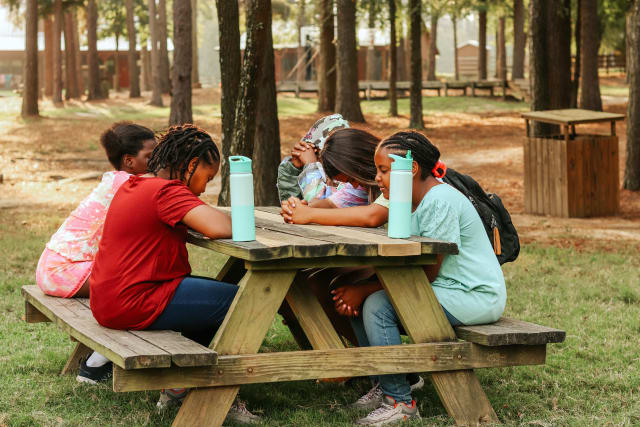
point(240, 414)
point(418, 385)
point(371, 400)
point(389, 412)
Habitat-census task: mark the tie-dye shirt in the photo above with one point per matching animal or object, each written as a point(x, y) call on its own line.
point(313, 184)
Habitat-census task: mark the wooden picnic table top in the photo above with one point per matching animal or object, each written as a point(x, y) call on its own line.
point(277, 240)
point(571, 116)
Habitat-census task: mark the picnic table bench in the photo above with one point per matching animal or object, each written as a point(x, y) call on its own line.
point(268, 267)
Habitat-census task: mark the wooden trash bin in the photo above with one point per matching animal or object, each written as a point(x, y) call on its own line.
point(571, 175)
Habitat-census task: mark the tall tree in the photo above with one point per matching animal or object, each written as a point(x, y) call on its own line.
point(433, 37)
point(48, 55)
point(134, 72)
point(146, 80)
point(156, 68)
point(575, 81)
point(550, 65)
point(95, 89)
point(519, 43)
point(230, 68)
point(457, 9)
point(393, 60)
point(482, 40)
point(501, 68)
point(165, 72)
point(182, 61)
point(76, 45)
point(195, 73)
point(348, 94)
point(70, 56)
point(632, 169)
point(114, 14)
point(326, 57)
point(416, 121)
point(300, 51)
point(372, 10)
point(30, 93)
point(57, 51)
point(589, 46)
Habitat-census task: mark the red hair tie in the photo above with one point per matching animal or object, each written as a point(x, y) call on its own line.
point(440, 169)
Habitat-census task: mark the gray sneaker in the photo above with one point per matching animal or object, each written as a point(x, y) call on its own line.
point(240, 414)
point(390, 412)
point(371, 400)
point(171, 397)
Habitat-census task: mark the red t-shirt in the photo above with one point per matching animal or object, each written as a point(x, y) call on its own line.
point(142, 256)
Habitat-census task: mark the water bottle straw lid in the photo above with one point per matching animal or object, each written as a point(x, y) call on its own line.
point(401, 163)
point(239, 164)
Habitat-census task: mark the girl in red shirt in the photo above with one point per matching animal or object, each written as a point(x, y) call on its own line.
point(141, 276)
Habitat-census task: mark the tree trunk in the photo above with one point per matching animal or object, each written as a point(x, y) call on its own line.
point(632, 169)
point(348, 93)
point(78, 55)
point(48, 56)
point(393, 61)
point(482, 41)
point(628, 30)
point(156, 67)
point(71, 76)
point(550, 65)
point(145, 62)
point(502, 50)
point(134, 72)
point(431, 63)
point(165, 69)
point(116, 65)
point(589, 46)
point(371, 48)
point(575, 83)
point(456, 65)
point(95, 89)
point(30, 93)
point(300, 52)
point(267, 136)
point(416, 121)
point(497, 54)
point(57, 51)
point(230, 68)
point(517, 68)
point(326, 58)
point(195, 72)
point(182, 61)
point(402, 60)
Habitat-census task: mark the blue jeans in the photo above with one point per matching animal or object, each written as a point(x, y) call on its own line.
point(379, 325)
point(197, 308)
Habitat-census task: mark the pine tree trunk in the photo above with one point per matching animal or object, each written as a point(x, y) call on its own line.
point(30, 93)
point(116, 65)
point(456, 65)
point(48, 56)
point(517, 68)
point(165, 69)
point(402, 59)
point(348, 94)
point(502, 50)
point(230, 68)
point(300, 57)
point(589, 45)
point(195, 72)
point(57, 51)
point(371, 49)
point(431, 63)
point(575, 82)
point(326, 58)
point(416, 121)
point(95, 89)
point(145, 62)
point(71, 76)
point(78, 55)
point(134, 72)
point(393, 61)
point(497, 54)
point(482, 41)
point(266, 150)
point(632, 169)
point(156, 67)
point(182, 62)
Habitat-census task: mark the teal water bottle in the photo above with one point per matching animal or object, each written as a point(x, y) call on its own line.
point(400, 190)
point(243, 223)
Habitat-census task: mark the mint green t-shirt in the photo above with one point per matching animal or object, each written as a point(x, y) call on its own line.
point(470, 285)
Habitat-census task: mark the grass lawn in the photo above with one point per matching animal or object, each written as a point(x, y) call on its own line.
point(591, 379)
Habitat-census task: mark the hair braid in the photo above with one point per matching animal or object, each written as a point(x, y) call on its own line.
point(422, 150)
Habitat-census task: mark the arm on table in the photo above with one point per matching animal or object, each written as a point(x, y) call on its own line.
point(209, 221)
point(295, 212)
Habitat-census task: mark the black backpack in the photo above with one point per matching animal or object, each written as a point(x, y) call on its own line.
point(495, 217)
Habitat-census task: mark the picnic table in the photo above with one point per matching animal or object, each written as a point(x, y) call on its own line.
point(269, 269)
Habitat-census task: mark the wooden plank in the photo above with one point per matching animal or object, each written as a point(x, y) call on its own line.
point(615, 174)
point(556, 176)
point(334, 363)
point(80, 351)
point(184, 352)
point(587, 176)
point(534, 181)
point(423, 319)
point(254, 307)
point(322, 262)
point(571, 116)
point(575, 180)
point(544, 175)
point(527, 175)
point(301, 247)
point(508, 331)
point(540, 176)
point(429, 246)
point(33, 315)
point(121, 347)
point(253, 251)
point(563, 177)
point(600, 167)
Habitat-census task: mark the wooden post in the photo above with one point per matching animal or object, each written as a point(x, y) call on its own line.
point(613, 128)
point(566, 133)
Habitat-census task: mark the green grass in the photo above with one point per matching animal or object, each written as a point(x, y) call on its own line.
point(451, 104)
point(614, 90)
point(590, 379)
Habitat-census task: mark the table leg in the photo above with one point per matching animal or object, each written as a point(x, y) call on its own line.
point(73, 364)
point(253, 309)
point(412, 297)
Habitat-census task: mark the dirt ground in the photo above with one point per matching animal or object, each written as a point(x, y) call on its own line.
point(55, 162)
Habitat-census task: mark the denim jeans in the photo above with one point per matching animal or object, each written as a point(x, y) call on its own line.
point(379, 325)
point(197, 308)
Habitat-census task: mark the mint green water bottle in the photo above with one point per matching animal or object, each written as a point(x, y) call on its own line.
point(243, 224)
point(400, 190)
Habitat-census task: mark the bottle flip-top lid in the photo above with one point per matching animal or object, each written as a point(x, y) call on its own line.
point(401, 163)
point(239, 164)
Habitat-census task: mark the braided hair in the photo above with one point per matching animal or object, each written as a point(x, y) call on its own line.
point(422, 150)
point(178, 146)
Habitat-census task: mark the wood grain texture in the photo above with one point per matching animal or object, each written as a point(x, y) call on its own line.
point(508, 331)
point(33, 315)
point(253, 251)
point(80, 351)
point(571, 116)
point(346, 261)
point(331, 363)
point(428, 245)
